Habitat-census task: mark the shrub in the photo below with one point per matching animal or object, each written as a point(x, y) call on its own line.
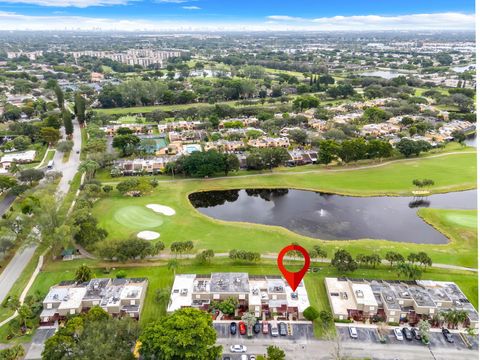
point(310, 313)
point(121, 274)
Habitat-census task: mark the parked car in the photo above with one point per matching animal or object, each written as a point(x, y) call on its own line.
point(282, 327)
point(238, 348)
point(274, 328)
point(398, 334)
point(227, 358)
point(448, 335)
point(244, 357)
point(407, 334)
point(233, 328)
point(256, 327)
point(353, 332)
point(265, 327)
point(416, 333)
point(253, 357)
point(242, 327)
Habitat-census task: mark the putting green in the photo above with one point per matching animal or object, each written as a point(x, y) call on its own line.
point(137, 217)
point(467, 220)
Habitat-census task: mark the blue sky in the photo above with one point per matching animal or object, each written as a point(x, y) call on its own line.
point(253, 14)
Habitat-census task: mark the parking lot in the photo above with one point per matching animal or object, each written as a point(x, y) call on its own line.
point(437, 340)
point(299, 332)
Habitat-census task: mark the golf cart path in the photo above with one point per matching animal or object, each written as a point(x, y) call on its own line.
point(268, 257)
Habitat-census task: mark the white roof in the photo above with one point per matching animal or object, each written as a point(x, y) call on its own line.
point(340, 304)
point(179, 299)
point(364, 295)
point(131, 292)
point(73, 300)
point(301, 302)
point(21, 156)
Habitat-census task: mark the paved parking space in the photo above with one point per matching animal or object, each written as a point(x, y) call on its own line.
point(299, 332)
point(437, 340)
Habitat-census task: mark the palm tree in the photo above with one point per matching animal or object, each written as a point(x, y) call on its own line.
point(88, 167)
point(83, 274)
point(173, 265)
point(24, 312)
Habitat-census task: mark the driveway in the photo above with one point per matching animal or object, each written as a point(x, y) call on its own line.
point(42, 334)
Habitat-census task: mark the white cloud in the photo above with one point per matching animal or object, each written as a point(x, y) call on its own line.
point(440, 21)
point(284, 18)
point(444, 21)
point(191, 7)
point(70, 3)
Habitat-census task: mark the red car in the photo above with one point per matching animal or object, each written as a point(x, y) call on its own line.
point(265, 327)
point(242, 327)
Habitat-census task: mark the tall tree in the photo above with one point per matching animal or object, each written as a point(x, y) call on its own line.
point(50, 135)
point(60, 97)
point(186, 334)
point(343, 261)
point(83, 274)
point(88, 167)
point(80, 107)
point(67, 122)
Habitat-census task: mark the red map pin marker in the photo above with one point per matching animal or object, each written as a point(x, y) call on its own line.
point(293, 278)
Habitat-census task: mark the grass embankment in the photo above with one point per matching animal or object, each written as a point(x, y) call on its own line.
point(160, 277)
point(453, 172)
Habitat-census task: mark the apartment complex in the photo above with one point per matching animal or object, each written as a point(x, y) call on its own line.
point(118, 297)
point(263, 295)
point(143, 57)
point(265, 142)
point(395, 301)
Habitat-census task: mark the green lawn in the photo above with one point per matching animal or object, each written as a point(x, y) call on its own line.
point(453, 172)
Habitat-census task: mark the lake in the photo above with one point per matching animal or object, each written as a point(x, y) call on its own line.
point(333, 217)
point(386, 74)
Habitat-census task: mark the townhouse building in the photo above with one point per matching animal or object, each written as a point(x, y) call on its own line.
point(262, 295)
point(118, 297)
point(265, 142)
point(395, 301)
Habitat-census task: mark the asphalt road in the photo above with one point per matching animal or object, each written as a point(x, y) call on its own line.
point(15, 267)
point(68, 169)
point(6, 202)
point(327, 350)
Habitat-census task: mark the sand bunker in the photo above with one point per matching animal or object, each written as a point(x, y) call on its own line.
point(161, 209)
point(148, 235)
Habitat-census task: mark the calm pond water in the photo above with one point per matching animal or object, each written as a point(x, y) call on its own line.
point(333, 217)
point(386, 74)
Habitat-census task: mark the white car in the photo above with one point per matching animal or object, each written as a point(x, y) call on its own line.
point(353, 332)
point(238, 348)
point(398, 334)
point(244, 357)
point(253, 357)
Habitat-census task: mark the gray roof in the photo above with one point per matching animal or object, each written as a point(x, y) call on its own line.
point(229, 283)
